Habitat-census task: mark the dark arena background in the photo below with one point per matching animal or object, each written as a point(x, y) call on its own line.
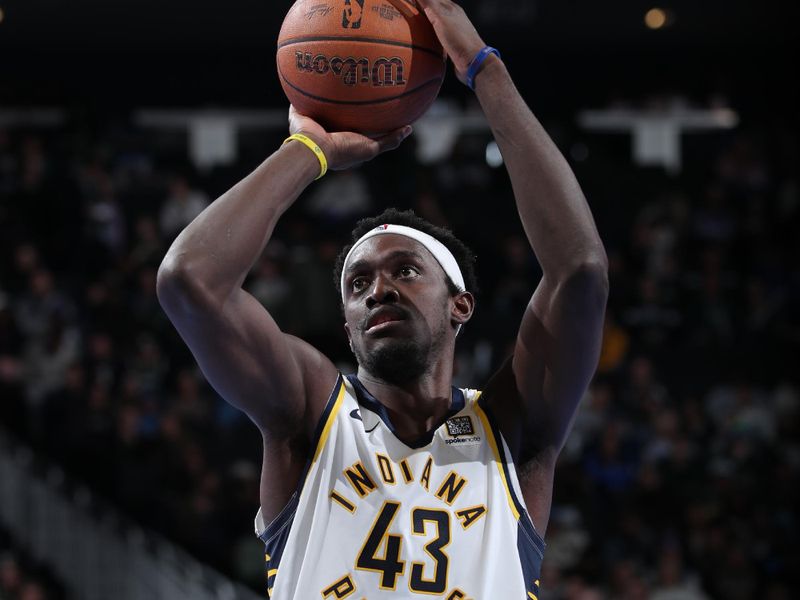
point(123, 475)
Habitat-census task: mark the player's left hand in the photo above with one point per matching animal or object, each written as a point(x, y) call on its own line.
point(455, 31)
point(345, 149)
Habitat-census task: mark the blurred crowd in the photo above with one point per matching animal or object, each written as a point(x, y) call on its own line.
point(680, 479)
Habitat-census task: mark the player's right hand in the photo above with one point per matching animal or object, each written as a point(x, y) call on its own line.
point(455, 31)
point(344, 149)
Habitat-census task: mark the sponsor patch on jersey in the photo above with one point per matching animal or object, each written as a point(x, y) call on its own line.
point(461, 430)
point(460, 426)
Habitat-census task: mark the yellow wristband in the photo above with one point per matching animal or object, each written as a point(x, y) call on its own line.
point(312, 145)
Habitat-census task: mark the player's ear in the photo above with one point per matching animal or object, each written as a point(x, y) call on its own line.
point(463, 307)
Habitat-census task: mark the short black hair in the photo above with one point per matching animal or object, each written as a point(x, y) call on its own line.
point(391, 216)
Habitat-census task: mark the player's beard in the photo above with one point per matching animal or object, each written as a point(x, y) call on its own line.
point(400, 361)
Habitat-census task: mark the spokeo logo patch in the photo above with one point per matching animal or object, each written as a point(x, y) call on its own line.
point(461, 431)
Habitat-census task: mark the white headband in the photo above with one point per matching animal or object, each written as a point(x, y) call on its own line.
point(439, 251)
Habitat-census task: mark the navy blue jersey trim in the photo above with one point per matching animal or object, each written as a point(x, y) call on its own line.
point(279, 522)
point(530, 558)
point(275, 542)
point(525, 521)
point(369, 402)
point(288, 511)
point(323, 420)
point(275, 538)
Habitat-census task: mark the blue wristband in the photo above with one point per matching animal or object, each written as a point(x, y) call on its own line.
point(476, 63)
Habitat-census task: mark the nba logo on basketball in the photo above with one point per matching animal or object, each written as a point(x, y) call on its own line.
point(352, 13)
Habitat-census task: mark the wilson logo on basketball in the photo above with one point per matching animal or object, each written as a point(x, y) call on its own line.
point(353, 71)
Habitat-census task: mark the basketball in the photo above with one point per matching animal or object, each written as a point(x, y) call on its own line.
point(360, 65)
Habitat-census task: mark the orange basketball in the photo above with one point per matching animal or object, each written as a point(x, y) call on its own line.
point(360, 65)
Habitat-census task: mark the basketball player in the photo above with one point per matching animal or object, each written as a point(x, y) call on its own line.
point(390, 483)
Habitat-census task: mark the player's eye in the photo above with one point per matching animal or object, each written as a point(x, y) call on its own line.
point(359, 283)
point(407, 271)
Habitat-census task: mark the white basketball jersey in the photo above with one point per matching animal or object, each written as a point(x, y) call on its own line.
point(376, 518)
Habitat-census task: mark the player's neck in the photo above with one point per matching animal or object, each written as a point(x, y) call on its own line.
point(417, 406)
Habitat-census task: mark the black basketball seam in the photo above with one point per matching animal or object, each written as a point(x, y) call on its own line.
point(333, 38)
point(359, 102)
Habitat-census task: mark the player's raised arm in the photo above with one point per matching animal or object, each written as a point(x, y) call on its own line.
point(558, 343)
point(241, 350)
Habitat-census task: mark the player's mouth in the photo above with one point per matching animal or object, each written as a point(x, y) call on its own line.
point(384, 318)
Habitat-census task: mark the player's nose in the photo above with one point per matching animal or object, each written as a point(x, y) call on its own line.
point(382, 292)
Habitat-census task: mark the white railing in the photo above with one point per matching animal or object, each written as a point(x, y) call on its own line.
point(93, 550)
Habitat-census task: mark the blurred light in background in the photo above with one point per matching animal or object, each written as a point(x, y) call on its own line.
point(2, 15)
point(493, 157)
point(655, 18)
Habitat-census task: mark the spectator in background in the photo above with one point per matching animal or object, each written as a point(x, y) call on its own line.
point(47, 359)
point(10, 576)
point(616, 343)
point(342, 198)
point(182, 205)
point(269, 284)
point(105, 220)
point(12, 388)
point(673, 583)
point(40, 304)
point(21, 578)
point(33, 590)
point(34, 165)
point(148, 247)
point(27, 259)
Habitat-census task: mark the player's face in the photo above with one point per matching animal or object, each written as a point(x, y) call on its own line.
point(397, 307)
